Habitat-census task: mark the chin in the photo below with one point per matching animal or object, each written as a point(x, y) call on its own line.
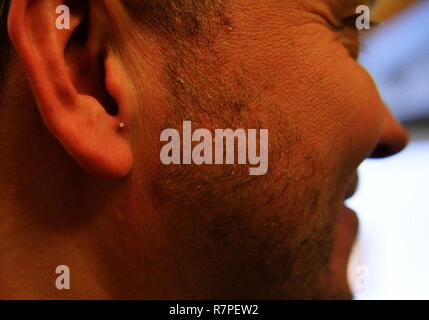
point(345, 236)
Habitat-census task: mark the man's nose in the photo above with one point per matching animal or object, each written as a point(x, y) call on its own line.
point(394, 138)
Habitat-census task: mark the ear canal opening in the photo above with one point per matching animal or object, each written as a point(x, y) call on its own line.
point(108, 102)
point(80, 36)
point(97, 87)
point(77, 43)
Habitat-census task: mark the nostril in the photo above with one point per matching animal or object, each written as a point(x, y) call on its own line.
point(382, 151)
point(393, 140)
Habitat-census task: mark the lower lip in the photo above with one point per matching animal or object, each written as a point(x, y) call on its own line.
point(349, 223)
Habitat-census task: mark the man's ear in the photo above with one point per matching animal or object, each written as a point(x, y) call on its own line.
point(81, 93)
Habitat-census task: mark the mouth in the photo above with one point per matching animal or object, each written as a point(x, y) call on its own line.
point(347, 215)
point(348, 219)
point(352, 187)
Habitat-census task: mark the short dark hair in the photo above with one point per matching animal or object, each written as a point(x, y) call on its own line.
point(4, 40)
point(164, 14)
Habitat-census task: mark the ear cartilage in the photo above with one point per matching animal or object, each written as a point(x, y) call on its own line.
point(121, 125)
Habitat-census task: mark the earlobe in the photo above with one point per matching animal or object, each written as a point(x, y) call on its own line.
point(76, 82)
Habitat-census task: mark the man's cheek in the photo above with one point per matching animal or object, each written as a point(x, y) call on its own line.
point(339, 101)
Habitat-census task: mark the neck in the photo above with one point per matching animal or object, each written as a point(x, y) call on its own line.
point(40, 221)
point(53, 214)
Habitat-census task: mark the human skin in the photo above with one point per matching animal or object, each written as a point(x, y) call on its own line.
point(76, 191)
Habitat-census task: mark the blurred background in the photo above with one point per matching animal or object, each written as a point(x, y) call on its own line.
point(391, 256)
